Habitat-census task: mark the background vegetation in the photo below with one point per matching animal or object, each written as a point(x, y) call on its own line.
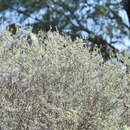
point(100, 21)
point(57, 84)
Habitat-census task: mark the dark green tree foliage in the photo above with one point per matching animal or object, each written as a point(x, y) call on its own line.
point(127, 8)
point(73, 17)
point(13, 28)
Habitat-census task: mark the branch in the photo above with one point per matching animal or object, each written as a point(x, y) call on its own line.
point(26, 14)
point(119, 19)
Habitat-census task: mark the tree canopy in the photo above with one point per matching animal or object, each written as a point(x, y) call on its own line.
point(127, 8)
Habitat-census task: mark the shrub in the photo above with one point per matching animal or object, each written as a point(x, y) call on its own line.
point(57, 84)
